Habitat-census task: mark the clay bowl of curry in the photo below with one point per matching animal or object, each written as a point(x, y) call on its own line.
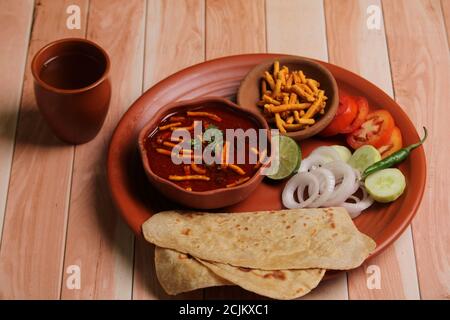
point(193, 152)
point(297, 96)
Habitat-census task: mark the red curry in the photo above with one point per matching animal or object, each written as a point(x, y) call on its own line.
point(200, 177)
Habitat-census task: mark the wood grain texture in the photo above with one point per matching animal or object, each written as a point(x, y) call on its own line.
point(234, 27)
point(445, 4)
point(15, 28)
point(37, 174)
point(169, 47)
point(285, 35)
point(31, 254)
point(420, 62)
point(332, 289)
point(97, 238)
point(297, 27)
point(365, 52)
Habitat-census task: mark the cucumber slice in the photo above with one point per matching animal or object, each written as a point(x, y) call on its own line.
point(385, 185)
point(343, 152)
point(363, 157)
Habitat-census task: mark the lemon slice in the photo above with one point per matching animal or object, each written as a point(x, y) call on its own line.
point(290, 158)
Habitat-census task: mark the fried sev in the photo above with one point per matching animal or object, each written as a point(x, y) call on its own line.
point(190, 177)
point(289, 99)
point(209, 115)
point(170, 125)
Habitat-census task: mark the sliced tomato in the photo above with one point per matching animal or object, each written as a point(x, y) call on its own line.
point(375, 130)
point(395, 143)
point(345, 115)
point(363, 111)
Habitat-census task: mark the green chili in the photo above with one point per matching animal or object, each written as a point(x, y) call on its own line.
point(394, 158)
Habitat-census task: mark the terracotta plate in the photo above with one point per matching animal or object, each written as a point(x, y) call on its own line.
point(137, 200)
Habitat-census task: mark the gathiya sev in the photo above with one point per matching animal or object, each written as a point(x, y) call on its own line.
point(290, 99)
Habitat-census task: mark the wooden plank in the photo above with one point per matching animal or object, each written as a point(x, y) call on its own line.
point(31, 255)
point(332, 289)
point(98, 241)
point(285, 35)
point(365, 52)
point(234, 27)
point(446, 12)
point(15, 28)
point(420, 62)
point(288, 31)
point(169, 47)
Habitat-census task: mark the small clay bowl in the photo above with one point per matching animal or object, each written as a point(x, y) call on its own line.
point(211, 199)
point(250, 90)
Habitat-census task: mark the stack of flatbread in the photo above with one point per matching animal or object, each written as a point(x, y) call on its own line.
point(279, 254)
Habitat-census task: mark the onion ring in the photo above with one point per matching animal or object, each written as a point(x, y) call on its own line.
point(328, 182)
point(299, 182)
point(312, 162)
point(347, 186)
point(355, 209)
point(326, 189)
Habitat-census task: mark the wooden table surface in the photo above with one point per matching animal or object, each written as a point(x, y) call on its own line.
point(55, 208)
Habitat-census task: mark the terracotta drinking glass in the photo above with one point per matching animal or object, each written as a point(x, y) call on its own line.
point(72, 88)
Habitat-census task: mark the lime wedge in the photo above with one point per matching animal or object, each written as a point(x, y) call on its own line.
point(290, 158)
point(343, 152)
point(299, 160)
point(385, 185)
point(363, 157)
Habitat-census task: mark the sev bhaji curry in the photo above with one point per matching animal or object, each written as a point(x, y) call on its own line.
point(198, 175)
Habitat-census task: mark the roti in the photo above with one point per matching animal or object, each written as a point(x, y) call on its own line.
point(178, 272)
point(276, 284)
point(266, 240)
